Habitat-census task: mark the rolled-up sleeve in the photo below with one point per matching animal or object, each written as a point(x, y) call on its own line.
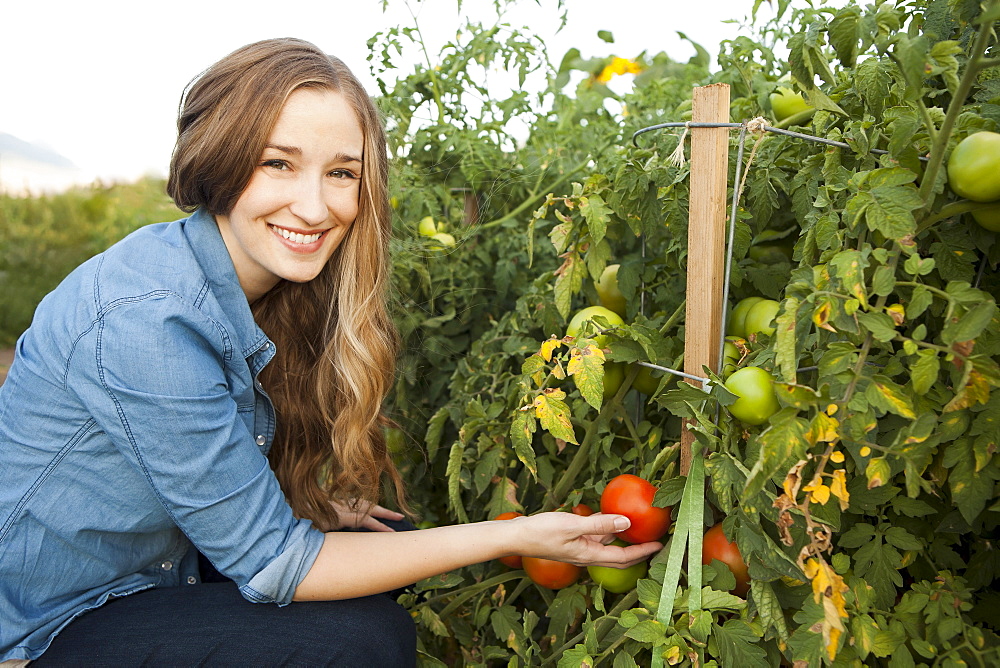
point(170, 410)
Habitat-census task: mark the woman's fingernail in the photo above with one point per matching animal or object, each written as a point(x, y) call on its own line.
point(622, 523)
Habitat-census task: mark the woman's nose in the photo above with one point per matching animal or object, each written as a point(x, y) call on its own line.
point(308, 203)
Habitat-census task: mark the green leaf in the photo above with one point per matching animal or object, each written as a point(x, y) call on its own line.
point(769, 607)
point(597, 214)
point(971, 324)
point(578, 657)
point(522, 430)
point(648, 631)
point(780, 444)
point(970, 490)
point(454, 474)
point(785, 343)
point(924, 372)
point(880, 324)
point(606, 36)
point(435, 428)
point(739, 645)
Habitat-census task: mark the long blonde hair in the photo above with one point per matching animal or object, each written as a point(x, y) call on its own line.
point(336, 342)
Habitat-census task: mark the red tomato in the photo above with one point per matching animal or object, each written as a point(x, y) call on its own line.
point(632, 497)
point(513, 561)
point(716, 546)
point(549, 573)
point(582, 509)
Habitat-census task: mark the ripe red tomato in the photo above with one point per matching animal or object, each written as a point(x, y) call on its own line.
point(549, 573)
point(716, 546)
point(632, 497)
point(513, 561)
point(582, 509)
point(755, 389)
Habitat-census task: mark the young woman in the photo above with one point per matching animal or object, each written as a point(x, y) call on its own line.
point(204, 398)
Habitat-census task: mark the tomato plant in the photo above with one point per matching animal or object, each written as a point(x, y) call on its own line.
point(549, 573)
point(715, 545)
point(631, 496)
point(865, 507)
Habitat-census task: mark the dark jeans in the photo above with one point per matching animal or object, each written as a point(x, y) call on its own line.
point(211, 624)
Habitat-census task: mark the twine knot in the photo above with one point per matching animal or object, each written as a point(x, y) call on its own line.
point(757, 125)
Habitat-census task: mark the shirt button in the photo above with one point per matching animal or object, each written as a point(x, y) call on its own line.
point(191, 580)
point(261, 440)
point(167, 565)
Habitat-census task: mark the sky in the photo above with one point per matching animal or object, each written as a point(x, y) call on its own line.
point(99, 82)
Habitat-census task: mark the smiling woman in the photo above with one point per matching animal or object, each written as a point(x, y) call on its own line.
point(200, 408)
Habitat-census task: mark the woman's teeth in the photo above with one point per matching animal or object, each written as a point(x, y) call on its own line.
point(295, 237)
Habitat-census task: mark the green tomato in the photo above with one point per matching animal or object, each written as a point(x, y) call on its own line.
point(618, 580)
point(974, 167)
point(427, 227)
point(607, 290)
point(444, 240)
point(614, 376)
point(730, 358)
point(582, 323)
point(786, 102)
point(737, 317)
point(755, 389)
point(988, 218)
point(647, 380)
point(760, 317)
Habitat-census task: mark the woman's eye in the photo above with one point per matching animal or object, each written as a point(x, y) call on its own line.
point(343, 174)
point(275, 164)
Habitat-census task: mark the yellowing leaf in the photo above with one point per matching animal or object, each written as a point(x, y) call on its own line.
point(878, 472)
point(894, 400)
point(828, 589)
point(975, 391)
point(897, 313)
point(586, 365)
point(837, 457)
point(838, 487)
point(823, 429)
point(818, 492)
point(553, 414)
point(823, 312)
point(548, 347)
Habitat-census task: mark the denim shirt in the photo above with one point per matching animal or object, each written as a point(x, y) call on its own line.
point(132, 431)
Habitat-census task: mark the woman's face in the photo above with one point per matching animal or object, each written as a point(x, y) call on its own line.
point(302, 197)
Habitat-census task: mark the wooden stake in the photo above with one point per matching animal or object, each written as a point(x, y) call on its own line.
point(706, 239)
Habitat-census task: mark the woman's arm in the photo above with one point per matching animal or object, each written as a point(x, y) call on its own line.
point(352, 564)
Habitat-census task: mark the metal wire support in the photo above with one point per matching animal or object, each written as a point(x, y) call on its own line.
point(766, 128)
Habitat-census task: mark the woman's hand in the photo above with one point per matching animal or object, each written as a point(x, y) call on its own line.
point(363, 516)
point(575, 539)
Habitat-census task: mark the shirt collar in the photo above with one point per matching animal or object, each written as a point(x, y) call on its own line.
point(212, 255)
